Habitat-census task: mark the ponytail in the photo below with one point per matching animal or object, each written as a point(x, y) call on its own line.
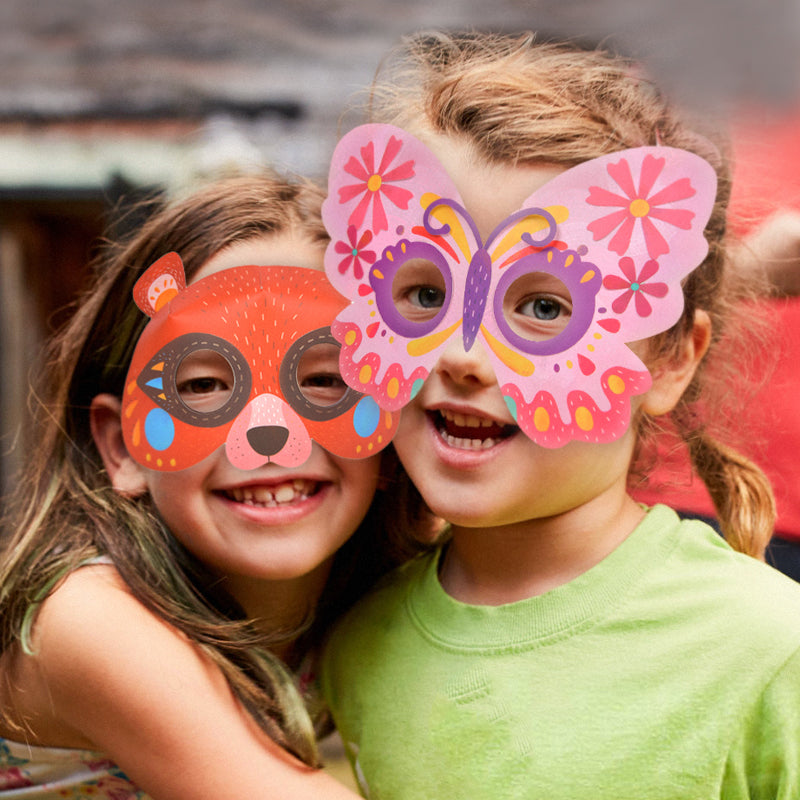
point(740, 491)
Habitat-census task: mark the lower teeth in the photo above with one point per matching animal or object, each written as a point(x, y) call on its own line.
point(468, 444)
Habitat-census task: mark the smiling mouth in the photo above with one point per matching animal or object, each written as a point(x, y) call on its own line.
point(469, 432)
point(283, 494)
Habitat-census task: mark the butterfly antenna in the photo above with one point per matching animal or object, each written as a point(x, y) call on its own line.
point(527, 237)
point(445, 228)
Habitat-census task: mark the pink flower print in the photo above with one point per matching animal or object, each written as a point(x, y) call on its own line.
point(639, 204)
point(375, 184)
point(633, 285)
point(354, 252)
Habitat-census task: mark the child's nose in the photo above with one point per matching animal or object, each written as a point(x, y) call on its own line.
point(467, 367)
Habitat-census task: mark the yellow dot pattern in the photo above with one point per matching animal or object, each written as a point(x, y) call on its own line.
point(583, 418)
point(616, 384)
point(541, 419)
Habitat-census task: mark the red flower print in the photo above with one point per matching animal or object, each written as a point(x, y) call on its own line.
point(119, 794)
point(354, 252)
point(13, 778)
point(633, 285)
point(98, 764)
point(375, 183)
point(639, 204)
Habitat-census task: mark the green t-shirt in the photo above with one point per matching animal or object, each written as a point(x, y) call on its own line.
point(670, 670)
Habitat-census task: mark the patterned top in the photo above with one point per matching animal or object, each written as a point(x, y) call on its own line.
point(54, 773)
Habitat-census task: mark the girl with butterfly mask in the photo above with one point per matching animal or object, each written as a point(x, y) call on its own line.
point(200, 503)
point(533, 246)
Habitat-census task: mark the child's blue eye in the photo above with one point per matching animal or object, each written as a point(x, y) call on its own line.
point(426, 297)
point(537, 306)
point(544, 308)
point(418, 290)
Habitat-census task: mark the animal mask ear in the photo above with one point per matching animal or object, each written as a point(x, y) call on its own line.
point(160, 283)
point(591, 261)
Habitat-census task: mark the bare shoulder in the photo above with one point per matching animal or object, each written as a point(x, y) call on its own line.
point(93, 633)
point(92, 615)
point(85, 606)
point(82, 632)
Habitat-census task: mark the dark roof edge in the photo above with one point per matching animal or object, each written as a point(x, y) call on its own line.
point(158, 111)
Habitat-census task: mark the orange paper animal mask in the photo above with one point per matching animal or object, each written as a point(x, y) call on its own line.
point(242, 358)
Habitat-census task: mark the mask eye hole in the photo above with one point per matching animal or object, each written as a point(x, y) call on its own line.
point(204, 381)
point(413, 286)
point(545, 302)
point(318, 376)
point(418, 290)
point(199, 379)
point(310, 379)
point(537, 306)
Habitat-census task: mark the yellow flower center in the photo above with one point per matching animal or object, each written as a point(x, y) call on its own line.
point(374, 183)
point(639, 207)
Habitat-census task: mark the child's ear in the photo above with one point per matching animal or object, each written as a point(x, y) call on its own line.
point(127, 477)
point(671, 378)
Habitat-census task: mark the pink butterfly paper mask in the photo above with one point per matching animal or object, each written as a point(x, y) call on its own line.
point(619, 232)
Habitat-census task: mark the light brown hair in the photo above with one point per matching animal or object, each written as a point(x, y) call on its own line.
point(518, 100)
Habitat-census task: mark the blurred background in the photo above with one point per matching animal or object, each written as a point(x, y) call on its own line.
point(103, 102)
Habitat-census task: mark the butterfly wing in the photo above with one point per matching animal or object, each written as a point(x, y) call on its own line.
point(381, 182)
point(629, 229)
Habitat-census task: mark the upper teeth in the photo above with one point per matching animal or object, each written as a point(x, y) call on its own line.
point(273, 495)
point(466, 420)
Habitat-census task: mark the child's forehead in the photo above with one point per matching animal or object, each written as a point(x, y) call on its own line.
point(489, 190)
point(288, 247)
point(250, 288)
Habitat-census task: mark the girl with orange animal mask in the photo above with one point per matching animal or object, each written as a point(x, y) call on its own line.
point(198, 508)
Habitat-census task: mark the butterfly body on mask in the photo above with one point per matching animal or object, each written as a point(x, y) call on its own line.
point(266, 326)
point(619, 233)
